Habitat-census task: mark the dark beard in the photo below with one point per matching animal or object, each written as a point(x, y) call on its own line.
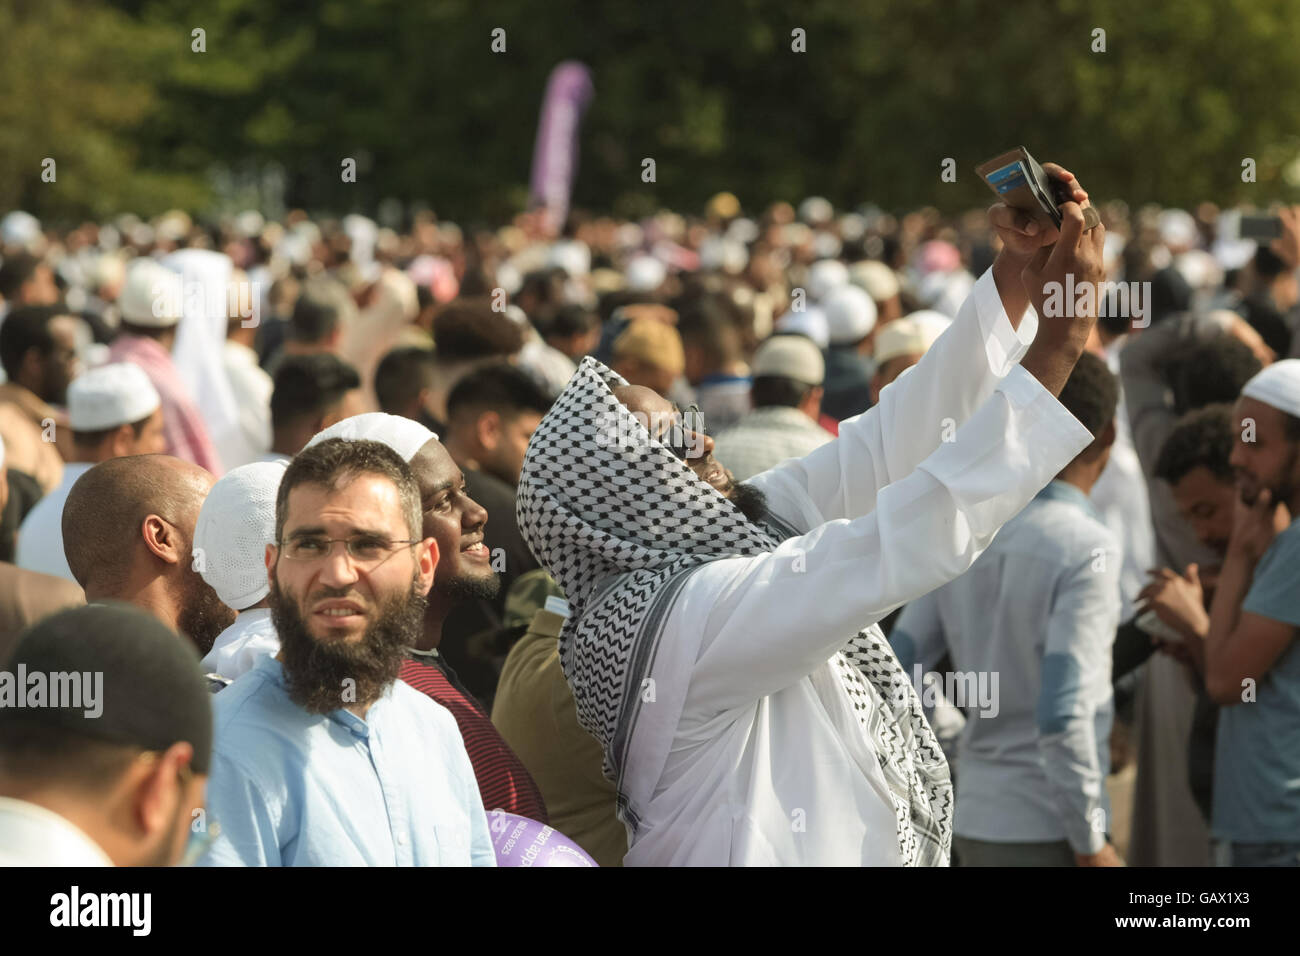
point(315, 671)
point(203, 617)
point(468, 588)
point(751, 502)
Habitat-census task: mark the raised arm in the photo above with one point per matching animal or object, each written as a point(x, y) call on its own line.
point(772, 619)
point(926, 405)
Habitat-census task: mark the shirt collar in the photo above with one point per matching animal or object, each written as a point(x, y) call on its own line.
point(362, 728)
point(42, 837)
point(1058, 490)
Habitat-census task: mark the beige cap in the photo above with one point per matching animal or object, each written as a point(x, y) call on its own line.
point(790, 356)
point(879, 281)
point(904, 337)
point(654, 343)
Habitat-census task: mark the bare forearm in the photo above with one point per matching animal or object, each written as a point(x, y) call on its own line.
point(1225, 611)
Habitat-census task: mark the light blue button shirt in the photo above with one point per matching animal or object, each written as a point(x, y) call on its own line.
point(1037, 613)
point(290, 788)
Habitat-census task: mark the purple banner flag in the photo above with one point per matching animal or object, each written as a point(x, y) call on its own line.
point(555, 155)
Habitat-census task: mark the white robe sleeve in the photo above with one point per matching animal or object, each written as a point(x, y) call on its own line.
point(915, 414)
point(772, 619)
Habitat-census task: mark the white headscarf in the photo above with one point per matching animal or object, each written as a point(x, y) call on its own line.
point(201, 338)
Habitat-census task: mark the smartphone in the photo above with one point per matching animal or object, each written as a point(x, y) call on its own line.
point(1260, 227)
point(1016, 178)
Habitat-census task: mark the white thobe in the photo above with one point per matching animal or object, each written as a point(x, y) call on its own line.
point(40, 537)
point(33, 836)
point(767, 764)
point(239, 647)
point(252, 388)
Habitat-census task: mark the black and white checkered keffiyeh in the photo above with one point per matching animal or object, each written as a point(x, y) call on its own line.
point(620, 521)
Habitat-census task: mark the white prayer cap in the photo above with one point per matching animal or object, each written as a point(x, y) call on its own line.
point(645, 274)
point(880, 281)
point(19, 228)
point(1199, 268)
point(1277, 386)
point(236, 523)
point(152, 295)
point(743, 230)
point(850, 315)
point(904, 337)
point(811, 323)
point(790, 356)
point(403, 435)
point(721, 253)
point(825, 276)
point(570, 255)
point(109, 396)
point(1178, 228)
point(816, 210)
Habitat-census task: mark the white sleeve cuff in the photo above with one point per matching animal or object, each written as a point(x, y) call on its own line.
point(1003, 344)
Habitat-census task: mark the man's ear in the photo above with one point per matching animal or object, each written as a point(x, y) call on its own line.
point(488, 430)
point(158, 790)
point(162, 539)
point(123, 441)
point(271, 553)
point(426, 562)
point(32, 367)
point(1107, 436)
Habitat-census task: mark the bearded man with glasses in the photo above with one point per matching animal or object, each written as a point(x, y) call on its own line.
point(323, 757)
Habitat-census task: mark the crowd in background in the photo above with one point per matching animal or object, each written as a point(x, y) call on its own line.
point(230, 345)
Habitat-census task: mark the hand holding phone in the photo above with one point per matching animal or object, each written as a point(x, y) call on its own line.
point(1018, 180)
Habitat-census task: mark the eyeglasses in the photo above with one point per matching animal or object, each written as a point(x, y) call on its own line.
point(676, 440)
point(363, 549)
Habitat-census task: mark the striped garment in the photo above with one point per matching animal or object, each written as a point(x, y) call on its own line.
point(503, 781)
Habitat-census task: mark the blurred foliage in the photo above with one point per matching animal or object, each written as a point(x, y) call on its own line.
point(712, 91)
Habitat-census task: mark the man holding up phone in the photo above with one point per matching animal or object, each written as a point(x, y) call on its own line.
point(723, 646)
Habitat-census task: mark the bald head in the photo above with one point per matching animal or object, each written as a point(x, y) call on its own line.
point(117, 512)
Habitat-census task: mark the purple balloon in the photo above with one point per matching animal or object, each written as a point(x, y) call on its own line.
point(519, 841)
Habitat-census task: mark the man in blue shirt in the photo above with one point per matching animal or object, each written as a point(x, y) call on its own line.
point(1252, 666)
point(1030, 628)
point(323, 757)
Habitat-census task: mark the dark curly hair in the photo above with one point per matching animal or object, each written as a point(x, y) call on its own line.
point(1211, 372)
point(1202, 438)
point(1091, 393)
point(470, 329)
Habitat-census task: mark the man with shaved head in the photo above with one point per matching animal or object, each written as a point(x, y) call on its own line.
point(128, 530)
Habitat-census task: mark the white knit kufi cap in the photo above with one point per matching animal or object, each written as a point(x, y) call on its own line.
point(236, 523)
point(1277, 386)
point(402, 435)
point(850, 314)
point(811, 323)
point(153, 295)
point(109, 396)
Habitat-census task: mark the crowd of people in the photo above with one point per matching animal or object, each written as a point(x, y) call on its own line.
point(809, 536)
